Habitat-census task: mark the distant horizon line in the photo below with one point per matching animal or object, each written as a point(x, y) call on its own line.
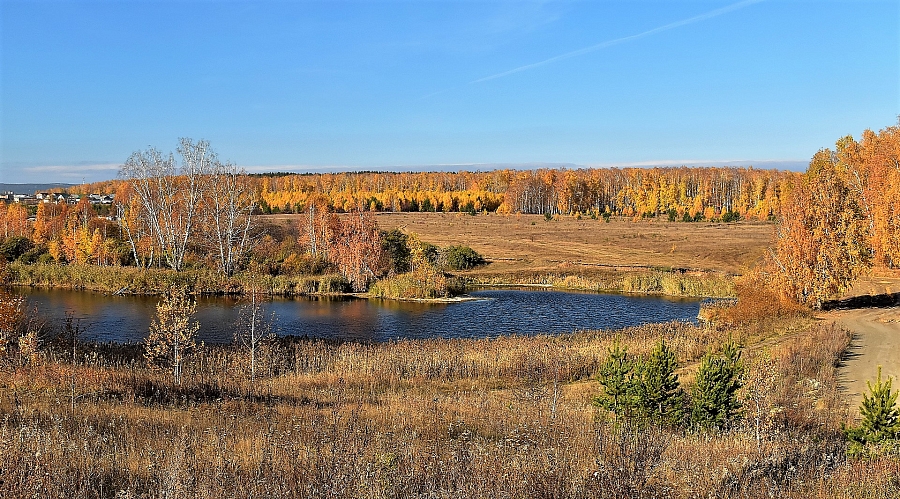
point(84, 172)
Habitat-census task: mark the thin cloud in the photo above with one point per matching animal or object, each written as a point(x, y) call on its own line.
point(768, 164)
point(625, 39)
point(70, 173)
point(71, 170)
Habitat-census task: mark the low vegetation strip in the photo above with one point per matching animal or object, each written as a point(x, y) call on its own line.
point(133, 280)
point(668, 283)
point(154, 281)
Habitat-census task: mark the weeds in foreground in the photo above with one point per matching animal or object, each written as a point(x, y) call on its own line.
point(507, 417)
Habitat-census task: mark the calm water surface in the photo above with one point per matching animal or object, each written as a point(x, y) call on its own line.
point(496, 312)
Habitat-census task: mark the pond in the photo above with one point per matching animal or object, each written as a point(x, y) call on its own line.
point(126, 319)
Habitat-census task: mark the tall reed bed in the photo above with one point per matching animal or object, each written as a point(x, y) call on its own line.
point(133, 280)
point(657, 282)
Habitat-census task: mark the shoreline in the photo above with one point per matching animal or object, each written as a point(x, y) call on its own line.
point(120, 281)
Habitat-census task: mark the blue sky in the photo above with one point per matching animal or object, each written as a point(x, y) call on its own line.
point(303, 86)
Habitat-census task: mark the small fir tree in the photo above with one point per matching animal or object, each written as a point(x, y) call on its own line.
point(616, 376)
point(658, 394)
point(881, 417)
point(715, 400)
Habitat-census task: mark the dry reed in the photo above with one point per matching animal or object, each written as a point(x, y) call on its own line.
point(504, 417)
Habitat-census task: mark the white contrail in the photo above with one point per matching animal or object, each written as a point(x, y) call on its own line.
point(617, 41)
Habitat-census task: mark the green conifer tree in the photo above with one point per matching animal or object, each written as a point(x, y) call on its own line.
point(715, 401)
point(616, 376)
point(658, 394)
point(881, 417)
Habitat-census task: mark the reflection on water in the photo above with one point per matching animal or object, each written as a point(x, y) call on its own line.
point(497, 312)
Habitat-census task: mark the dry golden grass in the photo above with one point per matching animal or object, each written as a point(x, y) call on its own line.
point(517, 242)
point(528, 242)
point(504, 417)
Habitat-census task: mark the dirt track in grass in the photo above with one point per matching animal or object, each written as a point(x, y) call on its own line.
point(876, 339)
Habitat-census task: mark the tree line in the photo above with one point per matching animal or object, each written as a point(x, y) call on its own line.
point(683, 193)
point(186, 208)
point(165, 209)
point(835, 221)
point(679, 193)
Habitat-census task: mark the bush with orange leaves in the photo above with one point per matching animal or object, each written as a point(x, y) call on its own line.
point(756, 301)
point(20, 331)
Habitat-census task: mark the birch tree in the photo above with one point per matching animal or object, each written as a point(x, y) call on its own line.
point(170, 196)
point(356, 249)
point(128, 216)
point(254, 327)
point(821, 238)
point(229, 213)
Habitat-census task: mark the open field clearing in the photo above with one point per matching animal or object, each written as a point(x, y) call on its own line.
point(529, 242)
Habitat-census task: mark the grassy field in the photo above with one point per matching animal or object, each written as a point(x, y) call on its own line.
point(623, 255)
point(506, 417)
point(516, 243)
point(520, 242)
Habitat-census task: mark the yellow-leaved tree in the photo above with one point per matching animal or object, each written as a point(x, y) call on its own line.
point(822, 235)
point(173, 333)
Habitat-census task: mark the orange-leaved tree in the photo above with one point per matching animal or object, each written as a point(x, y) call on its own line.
point(356, 249)
point(822, 235)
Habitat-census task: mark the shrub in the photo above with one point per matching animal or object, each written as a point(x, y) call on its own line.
point(303, 264)
point(731, 216)
point(45, 259)
point(461, 258)
point(396, 248)
point(333, 284)
point(757, 300)
point(35, 254)
point(429, 253)
point(415, 286)
point(14, 247)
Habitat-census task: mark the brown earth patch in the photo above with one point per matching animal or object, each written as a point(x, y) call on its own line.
point(876, 342)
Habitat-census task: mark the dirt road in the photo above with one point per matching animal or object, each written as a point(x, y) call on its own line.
point(876, 343)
